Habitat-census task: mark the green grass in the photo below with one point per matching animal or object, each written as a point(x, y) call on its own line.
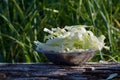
point(22, 22)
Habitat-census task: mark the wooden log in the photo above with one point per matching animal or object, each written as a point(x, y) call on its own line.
point(37, 71)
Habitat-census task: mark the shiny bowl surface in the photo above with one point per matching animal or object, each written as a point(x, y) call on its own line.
point(69, 58)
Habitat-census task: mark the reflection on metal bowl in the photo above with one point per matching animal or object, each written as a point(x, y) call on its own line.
point(69, 58)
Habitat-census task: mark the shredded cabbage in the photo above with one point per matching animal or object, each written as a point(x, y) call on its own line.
point(70, 39)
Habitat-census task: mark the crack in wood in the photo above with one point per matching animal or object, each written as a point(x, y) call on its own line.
point(35, 71)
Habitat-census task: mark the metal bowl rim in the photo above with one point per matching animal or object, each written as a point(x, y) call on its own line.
point(75, 52)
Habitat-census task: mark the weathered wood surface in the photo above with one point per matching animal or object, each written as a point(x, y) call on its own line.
point(88, 71)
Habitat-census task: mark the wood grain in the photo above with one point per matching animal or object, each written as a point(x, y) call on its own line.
point(37, 71)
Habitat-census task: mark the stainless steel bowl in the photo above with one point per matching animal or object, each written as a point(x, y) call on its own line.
point(69, 58)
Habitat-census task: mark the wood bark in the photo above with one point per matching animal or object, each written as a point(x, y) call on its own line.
point(37, 71)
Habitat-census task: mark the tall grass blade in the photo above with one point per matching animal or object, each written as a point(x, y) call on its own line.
point(9, 24)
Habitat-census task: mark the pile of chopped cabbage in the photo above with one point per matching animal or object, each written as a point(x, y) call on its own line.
point(71, 39)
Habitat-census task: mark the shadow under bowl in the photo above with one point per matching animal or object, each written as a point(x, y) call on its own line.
point(69, 58)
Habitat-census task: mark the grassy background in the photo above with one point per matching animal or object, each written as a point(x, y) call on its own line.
point(22, 22)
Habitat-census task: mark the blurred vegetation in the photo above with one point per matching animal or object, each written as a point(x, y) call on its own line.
point(22, 22)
